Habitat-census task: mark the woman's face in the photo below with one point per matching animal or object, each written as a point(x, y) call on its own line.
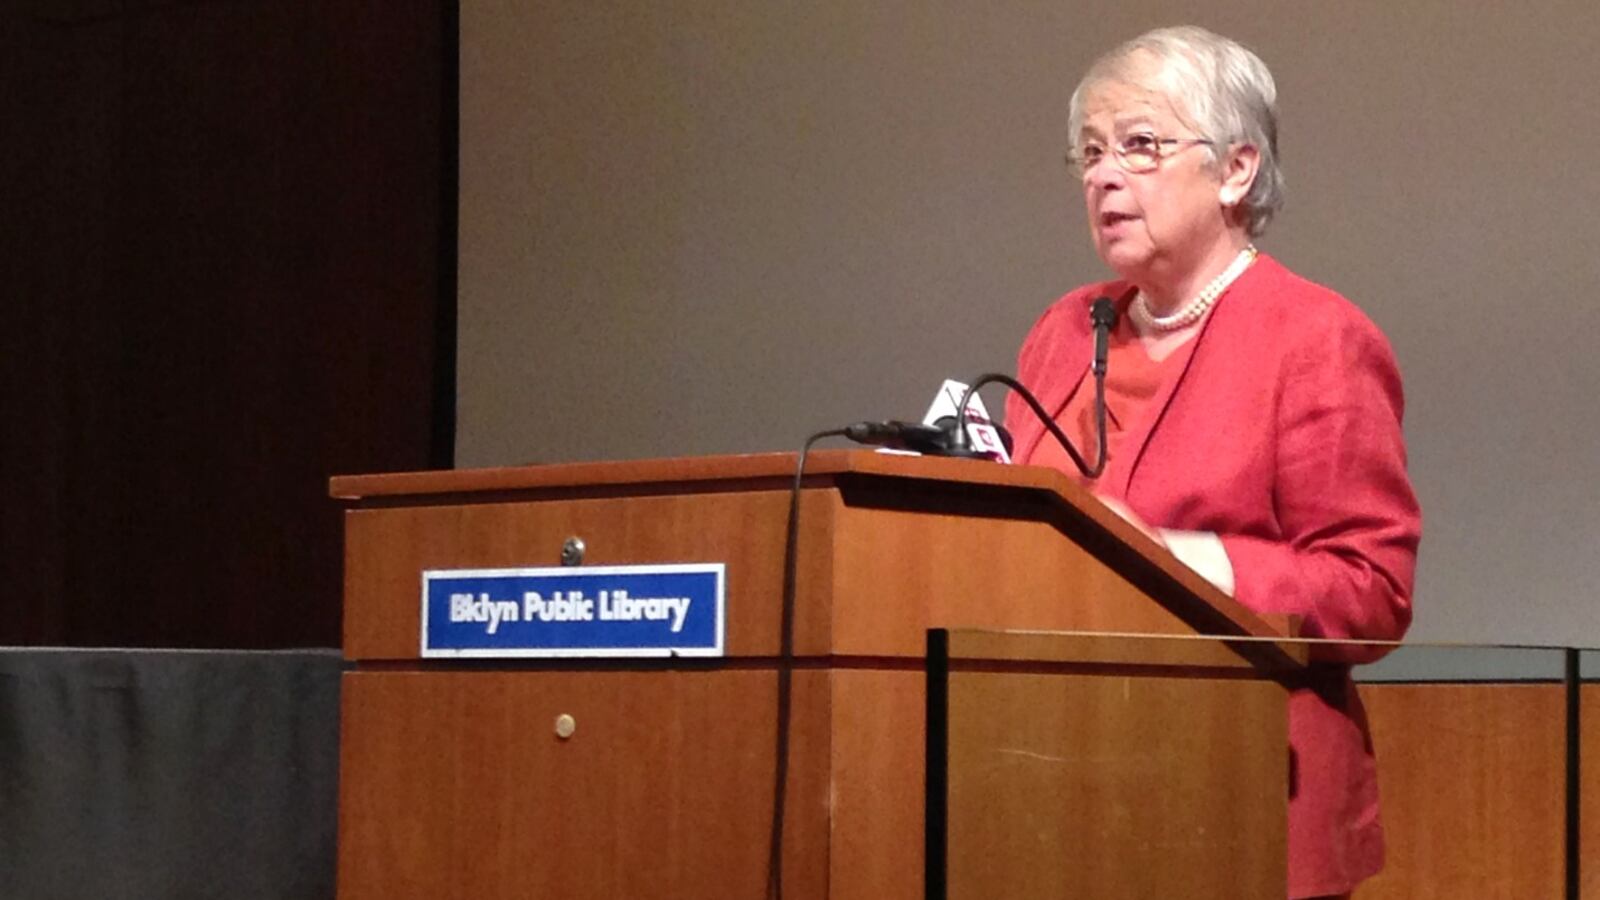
point(1158, 225)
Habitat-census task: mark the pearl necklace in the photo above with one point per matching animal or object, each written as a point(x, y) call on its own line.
point(1191, 313)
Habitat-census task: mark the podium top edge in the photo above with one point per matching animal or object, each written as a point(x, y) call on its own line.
point(691, 471)
point(776, 471)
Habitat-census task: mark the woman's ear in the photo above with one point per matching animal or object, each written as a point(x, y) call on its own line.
point(1238, 173)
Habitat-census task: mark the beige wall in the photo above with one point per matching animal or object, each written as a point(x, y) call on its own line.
point(711, 226)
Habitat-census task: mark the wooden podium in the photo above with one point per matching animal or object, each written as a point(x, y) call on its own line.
point(455, 784)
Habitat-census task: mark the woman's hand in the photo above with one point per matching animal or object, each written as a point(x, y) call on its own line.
point(1132, 518)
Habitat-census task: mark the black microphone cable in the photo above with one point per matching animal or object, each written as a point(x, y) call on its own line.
point(786, 669)
point(925, 438)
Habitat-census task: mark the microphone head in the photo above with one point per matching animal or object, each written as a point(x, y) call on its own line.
point(1103, 313)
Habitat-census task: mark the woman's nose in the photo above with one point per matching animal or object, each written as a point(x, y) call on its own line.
point(1105, 174)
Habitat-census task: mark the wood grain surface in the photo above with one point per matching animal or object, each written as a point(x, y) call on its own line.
point(1472, 778)
point(455, 786)
point(1116, 787)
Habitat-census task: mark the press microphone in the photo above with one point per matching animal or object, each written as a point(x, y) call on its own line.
point(896, 435)
point(932, 440)
point(981, 438)
point(1000, 434)
point(937, 433)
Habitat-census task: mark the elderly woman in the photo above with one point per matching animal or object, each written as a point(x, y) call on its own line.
point(1253, 416)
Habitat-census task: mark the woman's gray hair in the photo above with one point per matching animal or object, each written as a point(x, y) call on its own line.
point(1219, 88)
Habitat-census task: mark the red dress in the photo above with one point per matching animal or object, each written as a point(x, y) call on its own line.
point(1281, 434)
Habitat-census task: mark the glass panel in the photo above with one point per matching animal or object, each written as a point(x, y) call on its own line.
point(1465, 662)
point(1589, 664)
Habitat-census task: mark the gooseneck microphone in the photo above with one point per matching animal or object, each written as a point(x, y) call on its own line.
point(1043, 416)
point(1103, 316)
point(1102, 319)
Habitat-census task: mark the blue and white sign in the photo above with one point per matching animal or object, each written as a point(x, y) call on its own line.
point(660, 610)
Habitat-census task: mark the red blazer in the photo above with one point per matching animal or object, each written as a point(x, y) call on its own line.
point(1281, 435)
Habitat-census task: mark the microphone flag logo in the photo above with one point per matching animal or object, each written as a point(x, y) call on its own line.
point(981, 433)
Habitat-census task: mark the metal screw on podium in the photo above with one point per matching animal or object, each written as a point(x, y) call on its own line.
point(565, 726)
point(572, 552)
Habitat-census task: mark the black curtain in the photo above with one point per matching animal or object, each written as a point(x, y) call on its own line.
point(172, 775)
point(221, 275)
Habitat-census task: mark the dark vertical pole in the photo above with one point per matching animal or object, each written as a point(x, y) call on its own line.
point(1574, 680)
point(937, 758)
point(442, 440)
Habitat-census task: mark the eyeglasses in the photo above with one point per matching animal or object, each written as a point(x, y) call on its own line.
point(1134, 153)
